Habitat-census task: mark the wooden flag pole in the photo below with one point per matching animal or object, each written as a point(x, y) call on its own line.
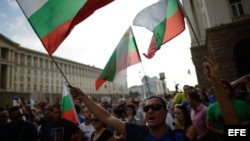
point(188, 20)
point(59, 69)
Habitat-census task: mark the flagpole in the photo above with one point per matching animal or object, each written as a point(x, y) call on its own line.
point(189, 22)
point(59, 69)
point(141, 64)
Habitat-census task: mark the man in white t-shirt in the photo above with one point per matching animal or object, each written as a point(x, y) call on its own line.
point(86, 126)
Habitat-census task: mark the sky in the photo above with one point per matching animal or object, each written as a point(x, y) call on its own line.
point(93, 41)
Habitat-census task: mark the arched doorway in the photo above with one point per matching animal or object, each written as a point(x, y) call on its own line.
point(242, 56)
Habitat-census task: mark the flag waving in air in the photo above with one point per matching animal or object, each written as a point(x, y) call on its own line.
point(165, 19)
point(68, 107)
point(53, 20)
point(126, 54)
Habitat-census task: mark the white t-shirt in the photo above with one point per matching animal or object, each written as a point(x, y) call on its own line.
point(87, 129)
point(170, 120)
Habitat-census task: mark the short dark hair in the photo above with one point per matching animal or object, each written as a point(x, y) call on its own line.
point(13, 109)
point(56, 105)
point(163, 102)
point(194, 96)
point(130, 105)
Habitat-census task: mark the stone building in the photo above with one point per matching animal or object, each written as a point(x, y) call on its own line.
point(25, 73)
point(222, 32)
point(150, 86)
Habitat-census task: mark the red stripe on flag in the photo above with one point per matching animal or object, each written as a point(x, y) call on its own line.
point(69, 115)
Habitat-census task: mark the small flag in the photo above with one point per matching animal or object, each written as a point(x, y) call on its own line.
point(68, 107)
point(165, 19)
point(126, 54)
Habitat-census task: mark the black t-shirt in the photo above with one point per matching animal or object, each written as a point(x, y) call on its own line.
point(61, 130)
point(106, 134)
point(26, 131)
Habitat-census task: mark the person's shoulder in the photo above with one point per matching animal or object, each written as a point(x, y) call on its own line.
point(179, 94)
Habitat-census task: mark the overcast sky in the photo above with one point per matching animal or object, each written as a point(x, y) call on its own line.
point(92, 41)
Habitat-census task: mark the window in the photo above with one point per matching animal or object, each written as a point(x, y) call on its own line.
point(29, 60)
point(21, 78)
point(29, 71)
point(22, 59)
point(35, 79)
point(35, 62)
point(21, 70)
point(21, 87)
point(28, 87)
point(35, 88)
point(4, 53)
point(237, 8)
point(41, 63)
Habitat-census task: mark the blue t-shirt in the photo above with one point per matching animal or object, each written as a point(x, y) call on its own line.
point(136, 132)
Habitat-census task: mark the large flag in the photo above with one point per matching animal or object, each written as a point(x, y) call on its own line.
point(68, 107)
point(53, 20)
point(165, 19)
point(125, 55)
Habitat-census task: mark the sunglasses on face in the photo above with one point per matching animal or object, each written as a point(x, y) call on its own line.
point(154, 107)
point(94, 120)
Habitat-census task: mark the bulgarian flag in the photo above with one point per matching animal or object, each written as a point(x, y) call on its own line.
point(165, 19)
point(68, 107)
point(126, 54)
point(53, 20)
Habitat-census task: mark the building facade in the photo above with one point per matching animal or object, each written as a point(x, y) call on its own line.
point(150, 86)
point(27, 73)
point(220, 29)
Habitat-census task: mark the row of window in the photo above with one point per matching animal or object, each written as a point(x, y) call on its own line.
point(41, 63)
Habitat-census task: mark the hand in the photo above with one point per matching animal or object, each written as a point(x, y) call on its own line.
point(210, 69)
point(75, 92)
point(247, 81)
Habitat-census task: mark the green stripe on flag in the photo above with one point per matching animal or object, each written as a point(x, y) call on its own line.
point(109, 71)
point(66, 103)
point(172, 8)
point(159, 30)
point(132, 44)
point(51, 15)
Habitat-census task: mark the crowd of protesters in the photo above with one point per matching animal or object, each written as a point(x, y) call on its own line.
point(189, 114)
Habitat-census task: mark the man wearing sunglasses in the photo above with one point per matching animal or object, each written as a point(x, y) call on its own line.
point(155, 113)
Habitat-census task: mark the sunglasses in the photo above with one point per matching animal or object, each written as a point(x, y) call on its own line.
point(154, 107)
point(94, 120)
